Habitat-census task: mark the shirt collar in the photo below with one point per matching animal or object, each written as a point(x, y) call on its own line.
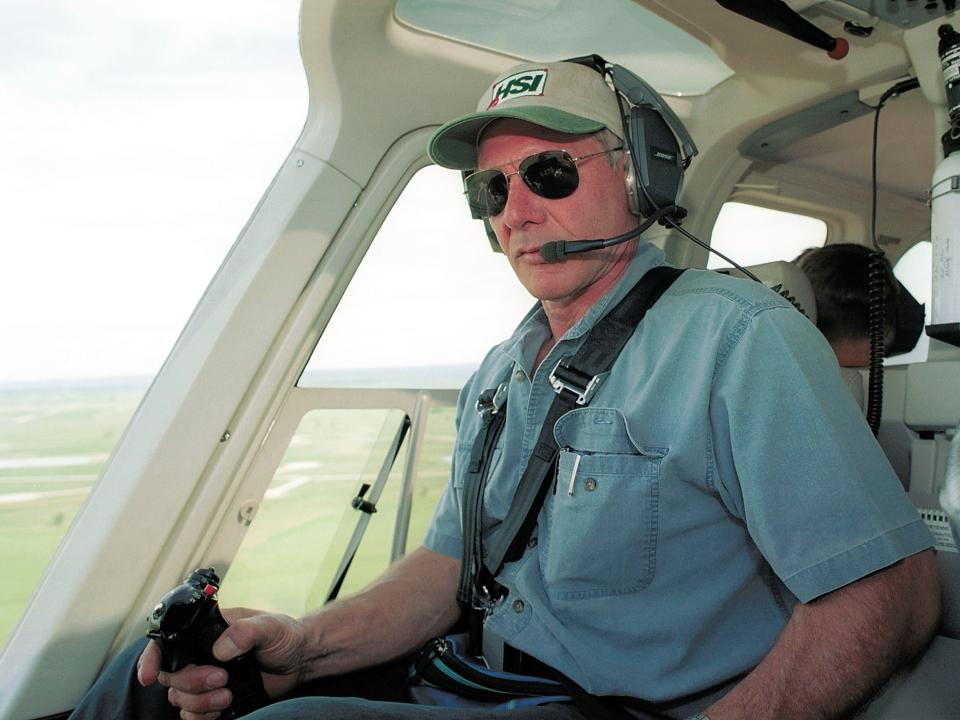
point(647, 256)
point(534, 329)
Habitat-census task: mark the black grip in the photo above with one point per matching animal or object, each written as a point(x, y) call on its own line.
point(246, 684)
point(244, 680)
point(186, 623)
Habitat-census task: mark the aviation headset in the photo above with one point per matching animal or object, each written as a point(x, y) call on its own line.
point(659, 146)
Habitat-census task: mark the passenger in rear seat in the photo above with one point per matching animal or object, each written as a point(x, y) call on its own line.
point(839, 275)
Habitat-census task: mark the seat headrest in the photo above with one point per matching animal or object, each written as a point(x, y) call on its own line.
point(785, 278)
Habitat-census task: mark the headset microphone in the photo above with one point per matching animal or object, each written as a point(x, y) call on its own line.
point(556, 251)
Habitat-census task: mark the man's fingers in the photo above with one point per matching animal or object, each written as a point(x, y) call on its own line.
point(195, 679)
point(231, 615)
point(148, 665)
point(235, 641)
point(242, 635)
point(199, 705)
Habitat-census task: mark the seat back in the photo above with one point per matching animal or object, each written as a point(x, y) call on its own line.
point(785, 278)
point(931, 412)
point(948, 565)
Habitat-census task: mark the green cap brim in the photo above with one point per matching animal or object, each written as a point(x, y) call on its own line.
point(454, 145)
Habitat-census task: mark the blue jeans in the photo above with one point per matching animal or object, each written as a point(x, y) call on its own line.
point(376, 694)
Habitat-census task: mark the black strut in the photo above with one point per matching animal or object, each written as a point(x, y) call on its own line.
point(779, 16)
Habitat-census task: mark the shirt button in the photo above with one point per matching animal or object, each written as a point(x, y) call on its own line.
point(590, 484)
point(519, 376)
point(518, 606)
point(532, 542)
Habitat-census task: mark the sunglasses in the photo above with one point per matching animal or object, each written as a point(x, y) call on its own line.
point(551, 174)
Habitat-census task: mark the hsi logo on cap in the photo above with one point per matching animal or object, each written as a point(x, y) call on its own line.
point(521, 84)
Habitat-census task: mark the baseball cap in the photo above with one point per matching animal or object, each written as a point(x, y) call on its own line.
point(562, 96)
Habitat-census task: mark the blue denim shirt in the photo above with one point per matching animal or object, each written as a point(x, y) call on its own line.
point(725, 473)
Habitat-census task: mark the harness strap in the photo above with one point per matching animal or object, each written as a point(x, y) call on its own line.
point(492, 408)
point(597, 354)
point(575, 381)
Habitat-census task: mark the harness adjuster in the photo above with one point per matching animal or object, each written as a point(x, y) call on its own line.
point(486, 600)
point(491, 401)
point(566, 377)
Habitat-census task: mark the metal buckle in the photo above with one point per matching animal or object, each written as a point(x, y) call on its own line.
point(485, 600)
point(566, 377)
point(491, 401)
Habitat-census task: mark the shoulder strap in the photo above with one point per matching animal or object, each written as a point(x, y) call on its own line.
point(491, 406)
point(596, 355)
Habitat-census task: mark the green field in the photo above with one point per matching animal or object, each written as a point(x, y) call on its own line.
point(54, 440)
point(291, 552)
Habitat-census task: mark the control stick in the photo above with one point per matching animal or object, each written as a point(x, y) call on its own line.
point(186, 622)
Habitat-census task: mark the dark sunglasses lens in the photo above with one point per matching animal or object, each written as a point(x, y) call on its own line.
point(486, 193)
point(551, 174)
point(496, 195)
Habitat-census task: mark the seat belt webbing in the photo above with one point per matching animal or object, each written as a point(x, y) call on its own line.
point(491, 405)
point(599, 351)
point(574, 381)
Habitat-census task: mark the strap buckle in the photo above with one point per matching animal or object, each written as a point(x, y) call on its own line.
point(566, 377)
point(492, 401)
point(485, 599)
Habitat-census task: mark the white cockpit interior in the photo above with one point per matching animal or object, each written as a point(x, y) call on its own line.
point(206, 471)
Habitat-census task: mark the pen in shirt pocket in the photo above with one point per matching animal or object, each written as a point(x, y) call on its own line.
point(573, 475)
point(577, 457)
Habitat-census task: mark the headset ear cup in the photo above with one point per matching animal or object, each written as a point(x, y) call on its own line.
point(491, 236)
point(658, 159)
point(476, 214)
point(630, 179)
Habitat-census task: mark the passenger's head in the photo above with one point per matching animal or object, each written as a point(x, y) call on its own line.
point(547, 163)
point(839, 274)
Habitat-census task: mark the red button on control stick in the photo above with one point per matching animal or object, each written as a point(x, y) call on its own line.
point(210, 590)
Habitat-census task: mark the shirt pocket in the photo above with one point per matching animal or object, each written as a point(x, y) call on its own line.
point(601, 521)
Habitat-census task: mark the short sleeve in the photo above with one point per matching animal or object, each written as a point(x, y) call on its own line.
point(445, 533)
point(797, 462)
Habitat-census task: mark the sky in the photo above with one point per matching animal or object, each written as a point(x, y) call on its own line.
point(137, 138)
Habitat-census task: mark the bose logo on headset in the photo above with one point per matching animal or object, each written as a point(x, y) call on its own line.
point(652, 132)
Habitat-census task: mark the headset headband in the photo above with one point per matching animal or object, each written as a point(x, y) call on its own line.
point(639, 92)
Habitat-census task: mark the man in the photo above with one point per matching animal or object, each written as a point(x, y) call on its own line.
point(706, 546)
point(840, 275)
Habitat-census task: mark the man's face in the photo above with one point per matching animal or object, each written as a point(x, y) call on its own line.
point(597, 209)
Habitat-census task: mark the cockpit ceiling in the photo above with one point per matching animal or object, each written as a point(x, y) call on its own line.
point(905, 157)
point(902, 13)
point(700, 48)
point(621, 30)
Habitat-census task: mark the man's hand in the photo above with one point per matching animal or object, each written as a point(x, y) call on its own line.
point(277, 642)
point(412, 601)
